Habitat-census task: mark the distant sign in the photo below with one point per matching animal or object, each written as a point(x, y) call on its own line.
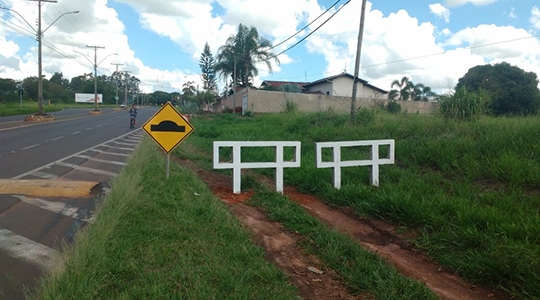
point(88, 98)
point(168, 127)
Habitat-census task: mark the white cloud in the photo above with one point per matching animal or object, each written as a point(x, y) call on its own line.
point(453, 3)
point(394, 45)
point(512, 14)
point(440, 11)
point(535, 18)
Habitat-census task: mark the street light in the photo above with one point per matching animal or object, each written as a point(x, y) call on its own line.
point(96, 64)
point(39, 34)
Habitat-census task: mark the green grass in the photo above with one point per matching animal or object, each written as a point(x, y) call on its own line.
point(470, 188)
point(363, 271)
point(14, 108)
point(164, 239)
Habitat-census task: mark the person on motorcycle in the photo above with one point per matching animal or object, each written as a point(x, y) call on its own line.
point(132, 116)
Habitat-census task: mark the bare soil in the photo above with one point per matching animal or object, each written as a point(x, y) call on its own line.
point(377, 236)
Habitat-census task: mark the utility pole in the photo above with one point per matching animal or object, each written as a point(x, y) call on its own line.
point(39, 36)
point(357, 62)
point(234, 85)
point(95, 74)
point(116, 82)
point(125, 87)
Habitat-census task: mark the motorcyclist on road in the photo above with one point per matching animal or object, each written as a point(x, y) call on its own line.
point(132, 115)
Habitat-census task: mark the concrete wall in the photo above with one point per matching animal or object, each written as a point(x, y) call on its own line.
point(260, 101)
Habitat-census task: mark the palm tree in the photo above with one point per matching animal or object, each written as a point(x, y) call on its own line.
point(403, 88)
point(427, 93)
point(416, 91)
point(393, 94)
point(240, 54)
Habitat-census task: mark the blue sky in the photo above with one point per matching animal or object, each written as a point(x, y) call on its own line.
point(160, 42)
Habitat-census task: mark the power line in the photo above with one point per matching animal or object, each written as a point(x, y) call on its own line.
point(309, 34)
point(432, 54)
point(444, 52)
point(275, 46)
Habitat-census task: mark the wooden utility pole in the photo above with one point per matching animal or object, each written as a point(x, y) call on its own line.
point(95, 74)
point(39, 38)
point(116, 82)
point(126, 87)
point(357, 62)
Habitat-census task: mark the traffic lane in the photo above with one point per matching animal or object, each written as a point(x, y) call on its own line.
point(63, 112)
point(34, 227)
point(18, 121)
point(24, 149)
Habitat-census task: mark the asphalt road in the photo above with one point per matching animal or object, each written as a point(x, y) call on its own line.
point(25, 148)
point(49, 176)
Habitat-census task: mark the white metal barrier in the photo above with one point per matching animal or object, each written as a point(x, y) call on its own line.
point(337, 163)
point(237, 165)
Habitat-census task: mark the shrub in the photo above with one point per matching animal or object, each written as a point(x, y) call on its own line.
point(364, 117)
point(393, 107)
point(289, 107)
point(463, 105)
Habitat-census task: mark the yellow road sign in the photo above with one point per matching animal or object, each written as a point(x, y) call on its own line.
point(168, 127)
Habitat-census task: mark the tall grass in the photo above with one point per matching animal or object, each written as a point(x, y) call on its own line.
point(463, 105)
point(164, 239)
point(471, 189)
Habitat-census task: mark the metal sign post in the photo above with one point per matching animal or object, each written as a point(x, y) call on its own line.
point(168, 128)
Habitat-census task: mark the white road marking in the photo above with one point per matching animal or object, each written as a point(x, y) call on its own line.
point(102, 160)
point(65, 158)
point(86, 169)
point(29, 147)
point(120, 148)
point(127, 144)
point(55, 207)
point(44, 175)
point(58, 138)
point(29, 251)
point(76, 132)
point(111, 153)
point(90, 128)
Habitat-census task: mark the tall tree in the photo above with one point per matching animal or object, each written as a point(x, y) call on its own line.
point(59, 79)
point(403, 88)
point(207, 64)
point(9, 90)
point(242, 52)
point(511, 90)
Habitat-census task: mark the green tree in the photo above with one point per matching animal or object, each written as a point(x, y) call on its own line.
point(393, 94)
point(78, 83)
point(403, 88)
point(189, 92)
point(9, 92)
point(510, 90)
point(30, 86)
point(240, 54)
point(207, 65)
point(58, 78)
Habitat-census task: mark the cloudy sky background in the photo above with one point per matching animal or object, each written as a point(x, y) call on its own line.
point(160, 42)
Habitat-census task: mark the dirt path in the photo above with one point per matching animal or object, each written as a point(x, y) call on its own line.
point(376, 236)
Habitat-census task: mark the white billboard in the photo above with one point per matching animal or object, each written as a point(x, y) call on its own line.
point(88, 98)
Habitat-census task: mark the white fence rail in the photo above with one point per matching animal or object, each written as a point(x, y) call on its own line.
point(337, 163)
point(237, 165)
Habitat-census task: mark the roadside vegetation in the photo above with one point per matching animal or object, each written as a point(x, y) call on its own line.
point(173, 239)
point(164, 239)
point(14, 109)
point(468, 190)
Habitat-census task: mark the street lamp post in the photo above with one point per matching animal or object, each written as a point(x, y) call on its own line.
point(39, 34)
point(95, 64)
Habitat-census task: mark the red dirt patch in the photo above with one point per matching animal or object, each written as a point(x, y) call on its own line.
point(376, 236)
